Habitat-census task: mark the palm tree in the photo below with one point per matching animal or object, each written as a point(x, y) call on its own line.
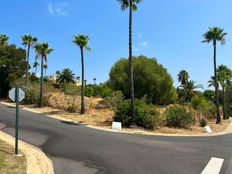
point(28, 41)
point(42, 50)
point(78, 79)
point(66, 76)
point(189, 89)
point(183, 77)
point(132, 5)
point(94, 80)
point(215, 35)
point(45, 66)
point(35, 65)
point(224, 78)
point(82, 42)
point(3, 40)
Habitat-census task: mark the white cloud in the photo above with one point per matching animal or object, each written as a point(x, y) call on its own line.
point(58, 8)
point(144, 44)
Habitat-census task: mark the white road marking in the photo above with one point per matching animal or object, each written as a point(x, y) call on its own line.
point(214, 166)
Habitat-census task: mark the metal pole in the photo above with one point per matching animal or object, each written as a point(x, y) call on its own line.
point(17, 119)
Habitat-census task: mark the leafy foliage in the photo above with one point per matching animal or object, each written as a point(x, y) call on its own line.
point(150, 78)
point(145, 115)
point(178, 117)
point(114, 100)
point(12, 67)
point(66, 76)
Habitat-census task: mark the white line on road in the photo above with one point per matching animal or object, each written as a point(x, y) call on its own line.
point(214, 166)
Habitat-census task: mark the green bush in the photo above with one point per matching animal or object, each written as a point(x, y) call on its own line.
point(114, 100)
point(203, 122)
point(123, 113)
point(146, 116)
point(178, 117)
point(149, 118)
point(200, 103)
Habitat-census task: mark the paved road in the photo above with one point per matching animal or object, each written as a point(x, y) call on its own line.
point(75, 149)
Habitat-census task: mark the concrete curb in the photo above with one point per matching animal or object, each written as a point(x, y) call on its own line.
point(37, 161)
point(227, 131)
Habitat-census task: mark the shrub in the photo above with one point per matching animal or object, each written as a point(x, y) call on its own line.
point(114, 100)
point(146, 116)
point(71, 109)
point(203, 122)
point(123, 113)
point(149, 118)
point(200, 103)
point(178, 117)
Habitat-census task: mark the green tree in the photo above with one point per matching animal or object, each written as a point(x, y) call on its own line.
point(35, 65)
point(132, 5)
point(42, 51)
point(45, 66)
point(183, 77)
point(224, 78)
point(151, 79)
point(82, 42)
point(66, 76)
point(215, 35)
point(3, 40)
point(12, 67)
point(28, 41)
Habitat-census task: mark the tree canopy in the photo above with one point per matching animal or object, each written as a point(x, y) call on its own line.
point(12, 66)
point(151, 79)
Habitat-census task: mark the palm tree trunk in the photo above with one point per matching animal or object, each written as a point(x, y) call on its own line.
point(41, 84)
point(82, 83)
point(131, 64)
point(224, 103)
point(27, 66)
point(216, 83)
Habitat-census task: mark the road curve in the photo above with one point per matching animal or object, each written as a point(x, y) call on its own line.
point(76, 149)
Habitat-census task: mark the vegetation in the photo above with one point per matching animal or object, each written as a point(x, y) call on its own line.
point(12, 66)
point(150, 79)
point(42, 51)
point(145, 115)
point(66, 76)
point(82, 42)
point(9, 164)
point(28, 41)
point(187, 89)
point(132, 5)
point(215, 35)
point(178, 117)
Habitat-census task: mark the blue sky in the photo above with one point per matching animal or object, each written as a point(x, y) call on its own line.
point(170, 30)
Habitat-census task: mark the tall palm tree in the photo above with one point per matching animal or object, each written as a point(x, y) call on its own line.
point(66, 76)
point(28, 41)
point(3, 40)
point(215, 35)
point(224, 78)
point(45, 66)
point(42, 50)
point(82, 42)
point(183, 77)
point(35, 65)
point(132, 5)
point(78, 79)
point(94, 80)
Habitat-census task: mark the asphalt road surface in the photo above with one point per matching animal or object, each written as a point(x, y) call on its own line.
point(76, 149)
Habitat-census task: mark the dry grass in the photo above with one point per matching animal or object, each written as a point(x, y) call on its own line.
point(10, 164)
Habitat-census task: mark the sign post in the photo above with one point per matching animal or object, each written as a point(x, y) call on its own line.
point(17, 120)
point(17, 95)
